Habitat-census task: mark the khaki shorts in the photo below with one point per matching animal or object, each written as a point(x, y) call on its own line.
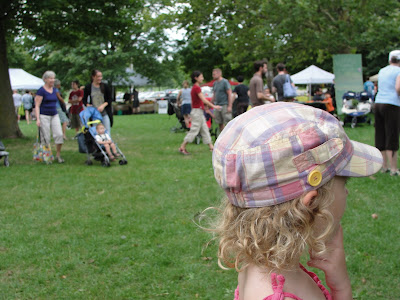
point(50, 124)
point(222, 116)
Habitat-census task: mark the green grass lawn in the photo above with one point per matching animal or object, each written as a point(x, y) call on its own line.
point(71, 231)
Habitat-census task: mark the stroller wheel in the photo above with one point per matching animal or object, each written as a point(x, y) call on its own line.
point(354, 122)
point(123, 162)
point(89, 162)
point(6, 161)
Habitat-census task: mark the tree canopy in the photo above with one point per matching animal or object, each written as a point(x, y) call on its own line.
point(298, 33)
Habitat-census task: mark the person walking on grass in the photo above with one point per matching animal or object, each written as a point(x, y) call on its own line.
point(17, 103)
point(61, 108)
point(47, 119)
point(256, 86)
point(387, 113)
point(27, 101)
point(241, 97)
point(222, 96)
point(278, 82)
point(98, 94)
point(199, 124)
point(184, 101)
point(284, 168)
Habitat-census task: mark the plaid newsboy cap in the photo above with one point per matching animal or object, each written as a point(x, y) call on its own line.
point(276, 152)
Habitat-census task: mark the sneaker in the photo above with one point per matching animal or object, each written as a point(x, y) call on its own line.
point(59, 159)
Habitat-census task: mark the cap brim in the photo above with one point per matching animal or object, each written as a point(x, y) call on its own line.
point(366, 160)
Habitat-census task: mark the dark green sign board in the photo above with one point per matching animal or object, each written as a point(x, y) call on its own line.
point(348, 76)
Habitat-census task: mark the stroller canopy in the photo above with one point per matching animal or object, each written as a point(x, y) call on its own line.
point(90, 113)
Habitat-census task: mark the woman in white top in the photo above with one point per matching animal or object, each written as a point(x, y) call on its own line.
point(184, 100)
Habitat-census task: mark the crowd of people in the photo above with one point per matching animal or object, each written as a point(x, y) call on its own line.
point(48, 108)
point(231, 103)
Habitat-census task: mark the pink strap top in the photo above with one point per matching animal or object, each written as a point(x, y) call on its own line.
point(278, 282)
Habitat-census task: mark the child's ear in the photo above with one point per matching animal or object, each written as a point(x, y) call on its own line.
point(309, 197)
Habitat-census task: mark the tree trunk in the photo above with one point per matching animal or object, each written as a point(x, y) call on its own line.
point(8, 121)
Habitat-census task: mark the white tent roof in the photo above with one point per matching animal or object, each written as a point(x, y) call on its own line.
point(374, 78)
point(22, 80)
point(312, 75)
point(135, 79)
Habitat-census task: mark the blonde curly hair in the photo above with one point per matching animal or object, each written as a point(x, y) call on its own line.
point(274, 236)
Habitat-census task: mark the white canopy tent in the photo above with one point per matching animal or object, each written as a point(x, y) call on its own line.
point(312, 75)
point(135, 79)
point(22, 80)
point(374, 78)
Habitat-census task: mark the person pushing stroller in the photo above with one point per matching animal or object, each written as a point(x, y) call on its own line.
point(104, 139)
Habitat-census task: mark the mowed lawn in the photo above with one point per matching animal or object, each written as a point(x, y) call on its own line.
point(73, 231)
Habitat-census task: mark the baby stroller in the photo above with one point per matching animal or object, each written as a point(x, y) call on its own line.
point(4, 153)
point(90, 117)
point(173, 108)
point(356, 108)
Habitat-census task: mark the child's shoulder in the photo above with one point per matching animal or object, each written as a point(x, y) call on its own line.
point(254, 283)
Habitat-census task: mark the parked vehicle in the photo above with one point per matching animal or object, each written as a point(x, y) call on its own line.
point(143, 96)
point(119, 97)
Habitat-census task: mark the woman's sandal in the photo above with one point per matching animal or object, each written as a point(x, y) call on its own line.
point(59, 160)
point(112, 158)
point(385, 170)
point(183, 151)
point(395, 173)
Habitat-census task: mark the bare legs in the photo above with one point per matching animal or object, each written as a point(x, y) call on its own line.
point(64, 128)
point(187, 120)
point(389, 160)
point(27, 113)
point(110, 147)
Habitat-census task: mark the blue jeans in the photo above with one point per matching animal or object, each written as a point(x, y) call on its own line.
point(107, 124)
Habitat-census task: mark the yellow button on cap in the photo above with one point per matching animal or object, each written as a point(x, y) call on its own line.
point(314, 178)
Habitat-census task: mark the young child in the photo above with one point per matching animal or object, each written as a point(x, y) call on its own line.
point(284, 168)
point(329, 103)
point(104, 139)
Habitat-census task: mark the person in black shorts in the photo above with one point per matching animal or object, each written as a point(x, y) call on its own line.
point(241, 103)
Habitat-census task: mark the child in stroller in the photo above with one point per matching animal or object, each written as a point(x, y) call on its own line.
point(90, 117)
point(104, 139)
point(356, 108)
